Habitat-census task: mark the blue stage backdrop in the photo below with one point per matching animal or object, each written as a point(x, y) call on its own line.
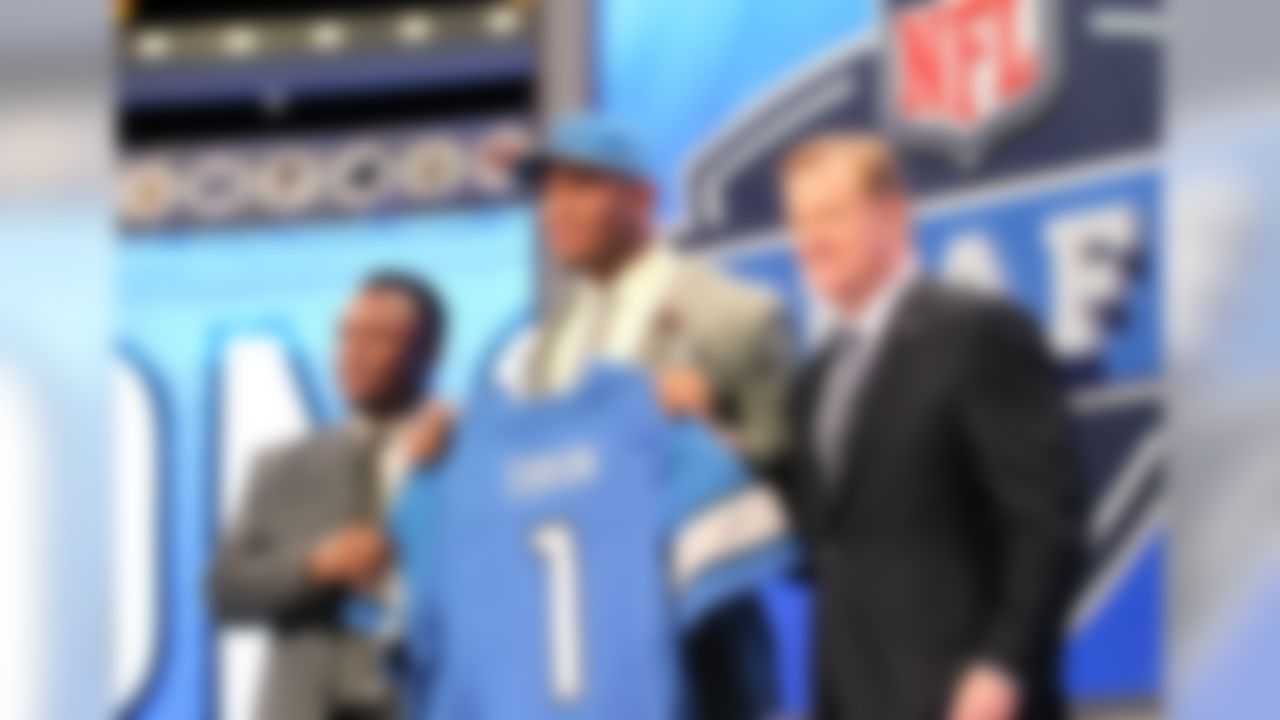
point(1044, 184)
point(1036, 164)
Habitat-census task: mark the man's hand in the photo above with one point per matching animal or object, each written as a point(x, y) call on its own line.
point(356, 557)
point(985, 693)
point(684, 392)
point(428, 435)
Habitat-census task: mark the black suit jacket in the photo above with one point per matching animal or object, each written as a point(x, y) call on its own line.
point(949, 536)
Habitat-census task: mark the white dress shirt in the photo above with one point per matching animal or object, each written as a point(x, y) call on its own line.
point(611, 320)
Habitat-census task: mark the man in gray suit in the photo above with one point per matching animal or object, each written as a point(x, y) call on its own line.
point(719, 349)
point(308, 539)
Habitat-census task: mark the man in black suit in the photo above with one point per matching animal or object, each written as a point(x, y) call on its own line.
point(931, 475)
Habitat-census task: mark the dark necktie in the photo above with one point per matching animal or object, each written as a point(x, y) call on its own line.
point(838, 397)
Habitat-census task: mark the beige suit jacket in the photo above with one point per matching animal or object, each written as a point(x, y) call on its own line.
point(733, 332)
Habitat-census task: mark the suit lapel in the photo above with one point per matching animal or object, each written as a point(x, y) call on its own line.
point(890, 369)
point(350, 463)
point(666, 336)
point(670, 335)
point(813, 488)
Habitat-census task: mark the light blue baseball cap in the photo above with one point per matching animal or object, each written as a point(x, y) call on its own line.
point(589, 141)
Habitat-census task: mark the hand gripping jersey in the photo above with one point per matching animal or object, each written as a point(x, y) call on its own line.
point(552, 561)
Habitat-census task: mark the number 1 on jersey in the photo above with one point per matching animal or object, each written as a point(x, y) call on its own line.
point(557, 547)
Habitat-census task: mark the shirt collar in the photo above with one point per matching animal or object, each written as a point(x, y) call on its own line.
point(647, 270)
point(363, 427)
point(871, 320)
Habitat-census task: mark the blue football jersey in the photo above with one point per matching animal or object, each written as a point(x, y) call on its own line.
point(551, 562)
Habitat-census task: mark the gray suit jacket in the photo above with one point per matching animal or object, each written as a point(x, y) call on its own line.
point(299, 494)
point(733, 332)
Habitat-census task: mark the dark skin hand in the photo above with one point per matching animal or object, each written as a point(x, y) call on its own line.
point(356, 557)
point(429, 433)
point(684, 392)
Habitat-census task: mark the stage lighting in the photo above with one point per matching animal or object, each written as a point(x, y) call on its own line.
point(503, 21)
point(415, 29)
point(328, 36)
point(240, 41)
point(153, 46)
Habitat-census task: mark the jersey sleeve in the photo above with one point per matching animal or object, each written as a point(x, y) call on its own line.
point(727, 535)
point(413, 526)
point(413, 521)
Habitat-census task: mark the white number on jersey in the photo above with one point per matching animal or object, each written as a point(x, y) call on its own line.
point(557, 547)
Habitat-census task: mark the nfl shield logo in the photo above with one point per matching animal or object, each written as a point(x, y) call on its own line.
point(960, 74)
